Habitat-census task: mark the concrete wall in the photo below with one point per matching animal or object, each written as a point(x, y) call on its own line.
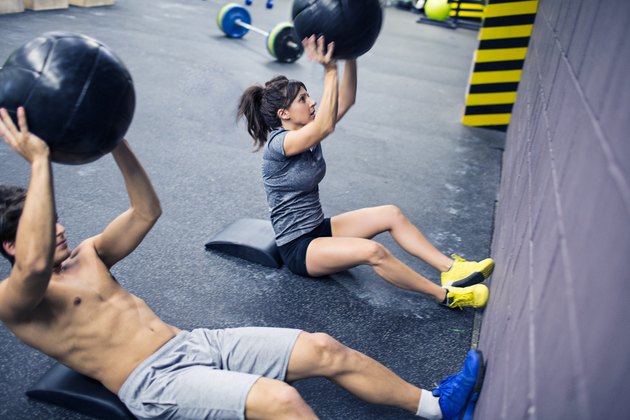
point(556, 332)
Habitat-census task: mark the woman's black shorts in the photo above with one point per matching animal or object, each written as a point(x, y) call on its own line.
point(294, 253)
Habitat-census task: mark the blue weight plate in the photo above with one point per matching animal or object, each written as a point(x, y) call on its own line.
point(228, 16)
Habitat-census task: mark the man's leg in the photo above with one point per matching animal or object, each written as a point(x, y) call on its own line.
point(261, 351)
point(273, 399)
point(319, 354)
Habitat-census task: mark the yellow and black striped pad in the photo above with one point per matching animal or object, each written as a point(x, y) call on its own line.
point(467, 9)
point(503, 41)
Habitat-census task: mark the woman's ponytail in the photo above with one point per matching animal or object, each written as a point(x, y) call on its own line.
point(249, 107)
point(259, 105)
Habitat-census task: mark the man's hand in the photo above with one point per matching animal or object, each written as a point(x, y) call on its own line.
point(26, 144)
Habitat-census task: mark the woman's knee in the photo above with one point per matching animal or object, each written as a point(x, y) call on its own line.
point(394, 214)
point(376, 253)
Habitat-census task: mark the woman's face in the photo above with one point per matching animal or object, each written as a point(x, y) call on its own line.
point(302, 109)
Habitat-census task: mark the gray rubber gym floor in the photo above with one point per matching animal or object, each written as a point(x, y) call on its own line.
point(402, 143)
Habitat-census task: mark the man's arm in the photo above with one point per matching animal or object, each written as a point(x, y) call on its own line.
point(126, 232)
point(35, 238)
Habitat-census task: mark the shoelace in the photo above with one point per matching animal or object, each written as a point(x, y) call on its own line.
point(457, 298)
point(448, 387)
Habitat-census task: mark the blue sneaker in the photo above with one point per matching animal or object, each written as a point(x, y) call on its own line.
point(456, 391)
point(470, 408)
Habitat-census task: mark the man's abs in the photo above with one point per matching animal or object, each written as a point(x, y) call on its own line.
point(88, 322)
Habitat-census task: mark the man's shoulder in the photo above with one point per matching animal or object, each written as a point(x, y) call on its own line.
point(5, 300)
point(85, 250)
point(85, 245)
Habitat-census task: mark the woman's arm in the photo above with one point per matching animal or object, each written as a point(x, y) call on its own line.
point(297, 141)
point(348, 88)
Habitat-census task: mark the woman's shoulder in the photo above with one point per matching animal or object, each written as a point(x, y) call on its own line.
point(275, 141)
point(276, 132)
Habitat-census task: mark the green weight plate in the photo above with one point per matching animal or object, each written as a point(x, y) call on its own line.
point(282, 43)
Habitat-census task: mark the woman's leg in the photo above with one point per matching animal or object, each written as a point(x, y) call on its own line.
point(330, 255)
point(319, 354)
point(368, 222)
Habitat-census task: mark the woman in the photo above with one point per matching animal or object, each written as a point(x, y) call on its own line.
point(281, 118)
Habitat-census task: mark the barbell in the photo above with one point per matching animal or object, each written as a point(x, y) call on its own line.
point(235, 21)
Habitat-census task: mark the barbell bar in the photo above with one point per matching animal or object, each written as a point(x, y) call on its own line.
point(235, 21)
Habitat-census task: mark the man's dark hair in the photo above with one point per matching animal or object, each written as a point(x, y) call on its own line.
point(11, 205)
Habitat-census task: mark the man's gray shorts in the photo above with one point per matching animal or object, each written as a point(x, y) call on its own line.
point(207, 374)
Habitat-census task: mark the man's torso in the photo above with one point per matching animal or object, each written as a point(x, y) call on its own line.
point(88, 322)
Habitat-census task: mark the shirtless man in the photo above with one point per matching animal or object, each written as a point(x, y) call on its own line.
point(66, 304)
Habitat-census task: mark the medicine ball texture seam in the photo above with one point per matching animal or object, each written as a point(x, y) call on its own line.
point(79, 100)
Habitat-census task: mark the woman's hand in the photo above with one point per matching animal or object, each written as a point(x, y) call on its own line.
point(318, 51)
point(26, 144)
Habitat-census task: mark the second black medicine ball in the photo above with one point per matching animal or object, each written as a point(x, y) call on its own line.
point(353, 25)
point(78, 95)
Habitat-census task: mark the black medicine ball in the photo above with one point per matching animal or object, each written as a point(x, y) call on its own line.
point(353, 25)
point(78, 95)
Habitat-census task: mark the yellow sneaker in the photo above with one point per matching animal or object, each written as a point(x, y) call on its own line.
point(467, 273)
point(474, 296)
